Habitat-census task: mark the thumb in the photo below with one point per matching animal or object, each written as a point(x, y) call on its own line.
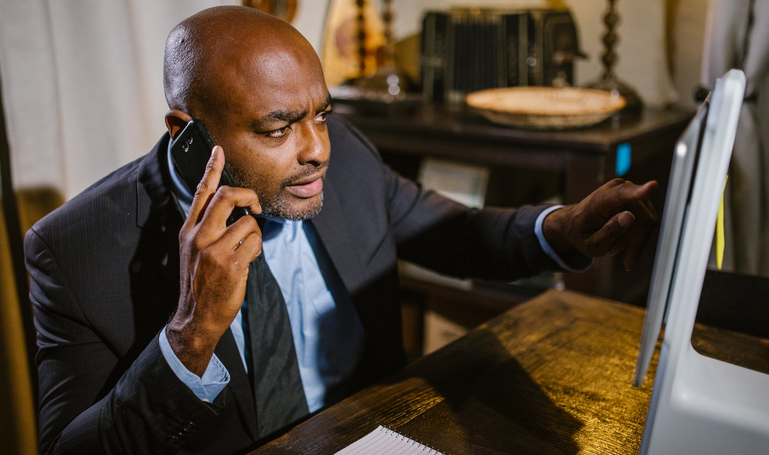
point(602, 240)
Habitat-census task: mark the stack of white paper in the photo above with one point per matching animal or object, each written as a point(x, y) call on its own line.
point(383, 441)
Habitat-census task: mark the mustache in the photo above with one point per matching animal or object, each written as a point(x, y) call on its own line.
point(307, 171)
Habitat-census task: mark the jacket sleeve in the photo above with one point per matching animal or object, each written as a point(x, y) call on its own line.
point(438, 233)
point(85, 407)
point(450, 238)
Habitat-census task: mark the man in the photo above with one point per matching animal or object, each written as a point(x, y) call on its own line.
point(251, 349)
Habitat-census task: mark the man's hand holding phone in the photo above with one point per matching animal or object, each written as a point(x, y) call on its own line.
point(214, 262)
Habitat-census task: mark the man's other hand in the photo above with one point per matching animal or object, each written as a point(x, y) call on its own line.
point(214, 261)
point(616, 217)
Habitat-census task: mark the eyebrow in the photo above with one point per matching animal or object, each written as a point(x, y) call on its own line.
point(325, 105)
point(288, 116)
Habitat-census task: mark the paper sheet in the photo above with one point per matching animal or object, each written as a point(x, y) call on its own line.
point(384, 441)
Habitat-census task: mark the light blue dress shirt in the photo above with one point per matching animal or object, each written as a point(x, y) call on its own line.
point(328, 335)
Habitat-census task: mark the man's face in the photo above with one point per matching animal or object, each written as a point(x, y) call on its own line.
point(269, 116)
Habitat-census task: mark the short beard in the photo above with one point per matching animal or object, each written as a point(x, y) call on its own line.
point(276, 205)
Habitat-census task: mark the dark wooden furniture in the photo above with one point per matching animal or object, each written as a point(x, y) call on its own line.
point(551, 376)
point(581, 161)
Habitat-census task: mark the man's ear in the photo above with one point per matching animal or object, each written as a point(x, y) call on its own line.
point(176, 120)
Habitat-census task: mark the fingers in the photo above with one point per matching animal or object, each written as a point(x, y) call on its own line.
point(636, 238)
point(619, 246)
point(617, 195)
point(630, 192)
point(600, 242)
point(648, 220)
point(222, 204)
point(651, 210)
point(616, 217)
point(235, 235)
point(212, 205)
point(208, 184)
point(637, 242)
point(612, 183)
point(248, 250)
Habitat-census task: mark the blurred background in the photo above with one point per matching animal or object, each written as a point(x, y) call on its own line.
point(82, 80)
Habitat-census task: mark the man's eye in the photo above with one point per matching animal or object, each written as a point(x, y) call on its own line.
point(323, 116)
point(279, 133)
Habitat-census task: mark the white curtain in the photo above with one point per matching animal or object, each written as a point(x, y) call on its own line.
point(82, 84)
point(737, 36)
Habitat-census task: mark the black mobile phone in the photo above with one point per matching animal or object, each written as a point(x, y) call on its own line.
point(190, 152)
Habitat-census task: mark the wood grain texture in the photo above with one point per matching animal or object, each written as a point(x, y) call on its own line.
point(551, 376)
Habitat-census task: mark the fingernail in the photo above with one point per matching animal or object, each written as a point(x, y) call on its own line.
point(214, 152)
point(626, 219)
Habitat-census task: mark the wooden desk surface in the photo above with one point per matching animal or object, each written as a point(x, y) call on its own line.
point(551, 376)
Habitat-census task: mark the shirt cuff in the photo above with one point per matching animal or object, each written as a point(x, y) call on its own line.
point(208, 387)
point(578, 263)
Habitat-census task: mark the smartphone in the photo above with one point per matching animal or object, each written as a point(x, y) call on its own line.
point(190, 152)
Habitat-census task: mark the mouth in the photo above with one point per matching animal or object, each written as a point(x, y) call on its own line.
point(307, 187)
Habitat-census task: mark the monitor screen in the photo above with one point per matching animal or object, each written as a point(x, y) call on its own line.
point(676, 201)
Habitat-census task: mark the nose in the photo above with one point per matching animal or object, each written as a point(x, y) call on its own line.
point(315, 147)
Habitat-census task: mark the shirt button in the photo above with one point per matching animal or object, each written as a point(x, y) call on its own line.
point(172, 440)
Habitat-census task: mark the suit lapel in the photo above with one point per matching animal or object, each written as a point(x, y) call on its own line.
point(158, 216)
point(343, 236)
point(337, 234)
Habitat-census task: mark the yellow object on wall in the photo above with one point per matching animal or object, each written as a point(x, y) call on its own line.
point(340, 56)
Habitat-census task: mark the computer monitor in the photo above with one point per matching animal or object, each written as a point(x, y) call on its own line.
point(699, 404)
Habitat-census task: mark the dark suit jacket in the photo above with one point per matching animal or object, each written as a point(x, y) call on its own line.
point(105, 280)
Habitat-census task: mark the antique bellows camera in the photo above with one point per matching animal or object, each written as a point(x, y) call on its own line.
point(469, 49)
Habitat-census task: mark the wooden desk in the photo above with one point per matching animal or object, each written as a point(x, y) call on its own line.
point(582, 160)
point(551, 376)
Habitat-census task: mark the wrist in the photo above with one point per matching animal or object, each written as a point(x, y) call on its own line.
point(555, 228)
point(193, 349)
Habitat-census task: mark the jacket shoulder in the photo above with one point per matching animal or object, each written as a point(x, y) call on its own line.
point(347, 139)
point(111, 199)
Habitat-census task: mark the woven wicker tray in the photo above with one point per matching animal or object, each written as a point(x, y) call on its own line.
point(545, 107)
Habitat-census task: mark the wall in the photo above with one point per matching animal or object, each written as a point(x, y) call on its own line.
point(687, 35)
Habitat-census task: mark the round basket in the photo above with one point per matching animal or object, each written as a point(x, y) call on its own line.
point(545, 107)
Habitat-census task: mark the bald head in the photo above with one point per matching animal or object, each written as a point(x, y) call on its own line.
point(216, 47)
point(258, 87)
